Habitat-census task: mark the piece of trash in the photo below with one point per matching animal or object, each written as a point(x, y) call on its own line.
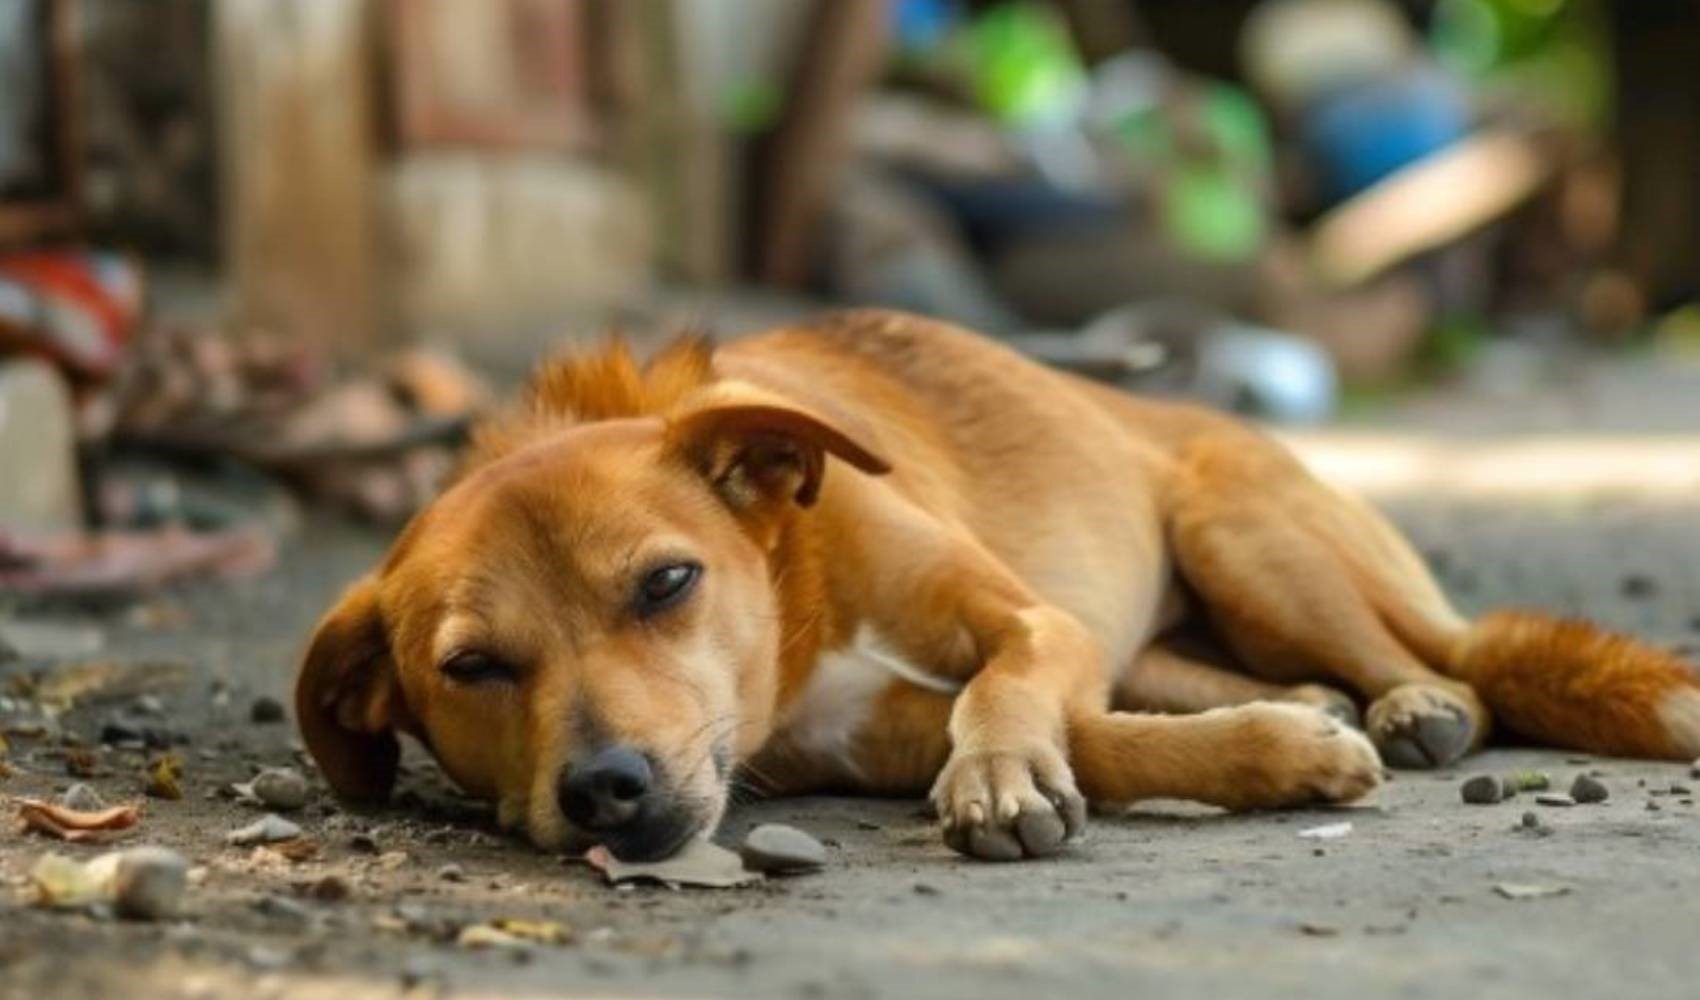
point(488, 936)
point(1530, 781)
point(268, 829)
point(144, 883)
point(1522, 890)
point(1331, 831)
point(75, 825)
point(775, 848)
point(165, 777)
point(700, 863)
point(540, 931)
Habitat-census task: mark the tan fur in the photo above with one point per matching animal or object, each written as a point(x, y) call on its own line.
point(927, 563)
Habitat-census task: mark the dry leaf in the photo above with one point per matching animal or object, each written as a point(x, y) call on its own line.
point(165, 776)
point(75, 825)
point(699, 863)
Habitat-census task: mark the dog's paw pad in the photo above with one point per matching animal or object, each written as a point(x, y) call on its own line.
point(1421, 726)
point(1005, 806)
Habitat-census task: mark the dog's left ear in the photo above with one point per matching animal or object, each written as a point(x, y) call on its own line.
point(764, 453)
point(348, 699)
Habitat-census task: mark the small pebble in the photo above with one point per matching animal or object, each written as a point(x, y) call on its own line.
point(1639, 585)
point(280, 788)
point(265, 710)
point(1554, 799)
point(330, 889)
point(82, 798)
point(1483, 790)
point(1531, 821)
point(1653, 807)
point(1694, 769)
point(452, 873)
point(1679, 789)
point(268, 829)
point(149, 883)
point(1587, 789)
point(777, 848)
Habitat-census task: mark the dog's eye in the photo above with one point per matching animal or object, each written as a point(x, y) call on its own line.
point(469, 666)
point(665, 586)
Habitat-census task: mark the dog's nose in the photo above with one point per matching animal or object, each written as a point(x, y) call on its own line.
point(607, 791)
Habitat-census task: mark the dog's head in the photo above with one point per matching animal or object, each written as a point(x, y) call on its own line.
point(585, 628)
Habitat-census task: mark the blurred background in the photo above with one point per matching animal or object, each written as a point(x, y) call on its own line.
point(256, 253)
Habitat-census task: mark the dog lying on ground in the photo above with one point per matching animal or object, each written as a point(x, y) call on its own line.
point(878, 554)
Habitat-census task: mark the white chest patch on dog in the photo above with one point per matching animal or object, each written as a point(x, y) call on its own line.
point(826, 717)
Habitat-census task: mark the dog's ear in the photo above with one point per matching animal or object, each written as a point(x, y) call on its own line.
point(762, 453)
point(348, 699)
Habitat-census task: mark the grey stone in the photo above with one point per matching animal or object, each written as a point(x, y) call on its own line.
point(280, 788)
point(1554, 799)
point(150, 883)
point(1587, 789)
point(778, 848)
point(1482, 790)
point(82, 798)
point(265, 710)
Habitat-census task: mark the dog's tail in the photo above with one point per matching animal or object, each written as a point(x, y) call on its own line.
point(1566, 682)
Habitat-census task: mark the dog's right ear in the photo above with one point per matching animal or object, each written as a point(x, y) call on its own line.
point(348, 699)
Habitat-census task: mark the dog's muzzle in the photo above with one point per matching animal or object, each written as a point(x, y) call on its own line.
point(617, 797)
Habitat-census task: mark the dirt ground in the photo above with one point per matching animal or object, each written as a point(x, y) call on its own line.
point(1170, 900)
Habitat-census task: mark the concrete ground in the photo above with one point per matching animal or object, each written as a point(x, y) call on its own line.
point(1168, 901)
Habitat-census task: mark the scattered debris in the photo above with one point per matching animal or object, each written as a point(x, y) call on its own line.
point(1588, 789)
point(1483, 790)
point(275, 788)
point(1559, 799)
point(165, 777)
point(1520, 890)
point(81, 762)
point(1638, 586)
point(1530, 781)
point(699, 863)
point(488, 936)
point(778, 849)
point(150, 883)
point(452, 872)
point(81, 798)
point(1694, 769)
point(143, 883)
point(266, 710)
point(1330, 831)
point(75, 825)
point(1319, 930)
point(268, 829)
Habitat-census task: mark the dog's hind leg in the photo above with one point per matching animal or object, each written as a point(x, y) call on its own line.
point(1291, 574)
point(1166, 679)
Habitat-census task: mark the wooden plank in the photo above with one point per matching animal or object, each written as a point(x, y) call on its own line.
point(298, 149)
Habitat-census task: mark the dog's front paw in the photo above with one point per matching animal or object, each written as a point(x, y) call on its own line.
point(1291, 755)
point(1006, 805)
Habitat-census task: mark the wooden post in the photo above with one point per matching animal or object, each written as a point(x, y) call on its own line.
point(297, 144)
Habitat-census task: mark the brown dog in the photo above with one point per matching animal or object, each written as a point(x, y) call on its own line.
point(879, 554)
